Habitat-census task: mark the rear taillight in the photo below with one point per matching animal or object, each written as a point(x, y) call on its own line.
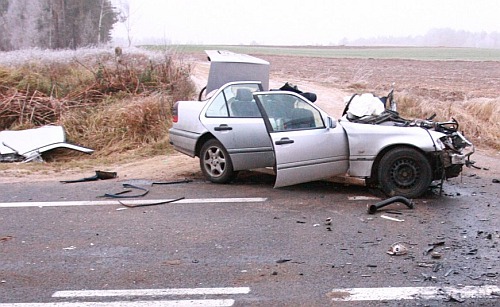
point(175, 113)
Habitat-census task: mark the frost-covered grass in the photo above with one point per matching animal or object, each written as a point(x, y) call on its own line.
point(66, 56)
point(109, 102)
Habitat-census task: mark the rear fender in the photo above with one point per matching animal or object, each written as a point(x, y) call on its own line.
point(205, 137)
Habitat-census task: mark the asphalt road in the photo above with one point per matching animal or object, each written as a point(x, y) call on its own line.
point(262, 247)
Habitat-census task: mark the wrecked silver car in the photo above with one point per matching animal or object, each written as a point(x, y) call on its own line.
point(242, 125)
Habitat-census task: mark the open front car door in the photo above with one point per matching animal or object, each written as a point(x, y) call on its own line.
point(307, 144)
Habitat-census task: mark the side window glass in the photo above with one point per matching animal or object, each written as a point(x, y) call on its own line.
point(289, 112)
point(218, 108)
point(236, 101)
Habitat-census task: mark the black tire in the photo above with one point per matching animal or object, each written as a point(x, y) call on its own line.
point(215, 162)
point(405, 172)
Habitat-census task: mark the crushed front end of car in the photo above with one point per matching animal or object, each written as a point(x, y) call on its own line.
point(453, 150)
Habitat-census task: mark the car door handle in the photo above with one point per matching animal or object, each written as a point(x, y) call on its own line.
point(223, 127)
point(284, 141)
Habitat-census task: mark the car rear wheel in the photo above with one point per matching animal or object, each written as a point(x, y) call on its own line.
point(405, 172)
point(215, 162)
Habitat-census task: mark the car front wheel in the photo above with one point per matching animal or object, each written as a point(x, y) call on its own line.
point(215, 162)
point(405, 172)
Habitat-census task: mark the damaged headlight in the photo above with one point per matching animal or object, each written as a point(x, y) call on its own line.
point(440, 145)
point(455, 144)
point(455, 141)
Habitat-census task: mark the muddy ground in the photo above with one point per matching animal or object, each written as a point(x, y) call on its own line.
point(331, 79)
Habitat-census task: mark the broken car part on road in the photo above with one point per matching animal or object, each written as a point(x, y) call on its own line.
point(400, 199)
point(152, 204)
point(172, 182)
point(99, 175)
point(125, 186)
point(28, 145)
point(397, 249)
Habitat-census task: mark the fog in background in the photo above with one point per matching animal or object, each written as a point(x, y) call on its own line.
point(455, 23)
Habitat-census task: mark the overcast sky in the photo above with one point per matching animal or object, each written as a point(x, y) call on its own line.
point(296, 22)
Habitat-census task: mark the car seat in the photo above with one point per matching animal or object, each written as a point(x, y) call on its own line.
point(301, 118)
point(244, 105)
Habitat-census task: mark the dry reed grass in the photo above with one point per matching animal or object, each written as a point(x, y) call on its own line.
point(108, 103)
point(128, 124)
point(478, 117)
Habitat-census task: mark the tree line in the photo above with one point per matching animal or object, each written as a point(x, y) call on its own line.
point(55, 24)
point(434, 38)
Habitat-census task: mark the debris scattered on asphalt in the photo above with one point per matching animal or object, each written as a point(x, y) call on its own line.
point(397, 249)
point(436, 255)
point(362, 198)
point(127, 185)
point(455, 298)
point(394, 212)
point(99, 175)
point(400, 199)
point(472, 251)
point(429, 277)
point(439, 243)
point(151, 204)
point(391, 218)
point(495, 181)
point(6, 238)
point(448, 272)
point(172, 182)
point(437, 267)
point(328, 221)
point(69, 247)
point(432, 246)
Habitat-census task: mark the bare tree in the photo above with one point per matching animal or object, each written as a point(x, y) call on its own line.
point(55, 23)
point(4, 40)
point(22, 23)
point(124, 18)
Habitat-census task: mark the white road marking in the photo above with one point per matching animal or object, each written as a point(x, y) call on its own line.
point(163, 303)
point(152, 292)
point(128, 293)
point(130, 202)
point(413, 293)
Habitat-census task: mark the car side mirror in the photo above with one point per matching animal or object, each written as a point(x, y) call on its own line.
point(332, 123)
